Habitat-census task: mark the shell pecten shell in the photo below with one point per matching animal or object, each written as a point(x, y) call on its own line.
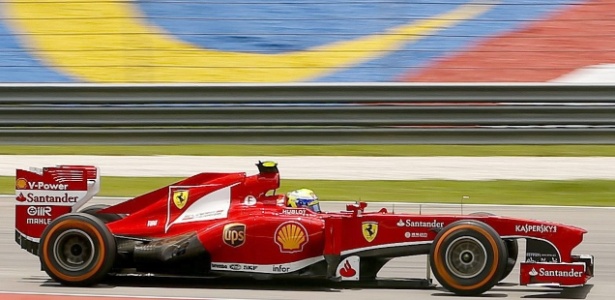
point(291, 237)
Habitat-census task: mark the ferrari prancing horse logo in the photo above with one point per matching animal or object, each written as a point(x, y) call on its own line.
point(180, 198)
point(370, 230)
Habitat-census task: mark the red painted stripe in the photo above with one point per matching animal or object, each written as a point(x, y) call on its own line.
point(579, 36)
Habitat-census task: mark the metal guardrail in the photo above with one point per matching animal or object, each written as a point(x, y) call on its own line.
point(308, 114)
point(292, 93)
point(311, 115)
point(308, 137)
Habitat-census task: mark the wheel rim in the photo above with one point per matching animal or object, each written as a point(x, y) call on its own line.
point(74, 250)
point(466, 257)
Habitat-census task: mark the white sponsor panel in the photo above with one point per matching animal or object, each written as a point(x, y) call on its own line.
point(349, 268)
point(266, 268)
point(212, 206)
point(392, 245)
point(56, 198)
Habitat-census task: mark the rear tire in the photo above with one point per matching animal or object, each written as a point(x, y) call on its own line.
point(106, 218)
point(77, 249)
point(468, 257)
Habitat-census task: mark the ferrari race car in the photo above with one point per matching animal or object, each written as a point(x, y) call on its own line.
point(232, 224)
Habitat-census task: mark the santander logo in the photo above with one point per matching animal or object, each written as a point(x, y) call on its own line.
point(347, 270)
point(21, 197)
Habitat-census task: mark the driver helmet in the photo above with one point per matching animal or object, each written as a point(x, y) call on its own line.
point(303, 198)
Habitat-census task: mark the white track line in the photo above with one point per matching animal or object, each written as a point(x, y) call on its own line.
point(337, 168)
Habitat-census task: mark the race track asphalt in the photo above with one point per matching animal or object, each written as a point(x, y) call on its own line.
point(20, 272)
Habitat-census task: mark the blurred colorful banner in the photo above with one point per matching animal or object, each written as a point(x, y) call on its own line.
point(273, 41)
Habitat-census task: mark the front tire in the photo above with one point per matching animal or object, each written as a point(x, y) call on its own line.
point(512, 248)
point(468, 257)
point(77, 249)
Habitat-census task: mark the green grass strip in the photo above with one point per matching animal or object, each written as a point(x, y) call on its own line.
point(577, 192)
point(317, 150)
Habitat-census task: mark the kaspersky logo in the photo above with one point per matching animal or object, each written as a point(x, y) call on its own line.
point(22, 184)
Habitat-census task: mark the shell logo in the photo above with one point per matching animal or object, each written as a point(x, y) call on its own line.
point(291, 237)
point(21, 183)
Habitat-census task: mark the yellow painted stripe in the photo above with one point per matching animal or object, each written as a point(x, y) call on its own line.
point(108, 41)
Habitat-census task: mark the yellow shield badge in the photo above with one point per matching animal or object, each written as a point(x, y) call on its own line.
point(370, 230)
point(180, 198)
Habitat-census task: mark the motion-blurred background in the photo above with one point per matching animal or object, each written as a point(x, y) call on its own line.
point(281, 41)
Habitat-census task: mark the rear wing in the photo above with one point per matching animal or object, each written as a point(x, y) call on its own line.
point(43, 194)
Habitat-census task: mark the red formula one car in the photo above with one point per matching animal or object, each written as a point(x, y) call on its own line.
point(232, 224)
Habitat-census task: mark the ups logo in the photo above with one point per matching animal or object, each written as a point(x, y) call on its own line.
point(234, 234)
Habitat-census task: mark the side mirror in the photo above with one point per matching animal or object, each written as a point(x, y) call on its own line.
point(356, 207)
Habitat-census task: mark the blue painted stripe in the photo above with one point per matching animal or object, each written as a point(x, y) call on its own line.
point(276, 27)
point(508, 16)
point(272, 26)
point(17, 61)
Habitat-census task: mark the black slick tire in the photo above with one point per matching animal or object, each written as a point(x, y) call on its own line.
point(512, 247)
point(468, 257)
point(77, 249)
